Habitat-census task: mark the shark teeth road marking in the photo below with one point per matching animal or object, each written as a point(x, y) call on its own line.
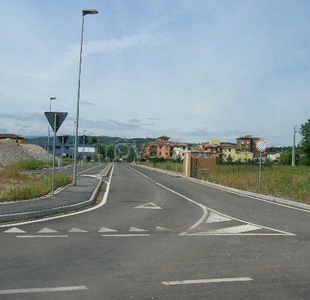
point(135, 229)
point(14, 230)
point(150, 205)
point(47, 230)
point(105, 229)
point(76, 230)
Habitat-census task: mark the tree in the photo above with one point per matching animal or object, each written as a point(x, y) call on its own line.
point(94, 140)
point(305, 142)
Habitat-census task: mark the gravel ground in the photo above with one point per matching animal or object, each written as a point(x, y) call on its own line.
point(11, 152)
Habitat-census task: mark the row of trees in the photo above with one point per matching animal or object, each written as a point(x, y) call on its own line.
point(302, 153)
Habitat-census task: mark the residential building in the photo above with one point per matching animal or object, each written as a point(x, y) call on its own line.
point(248, 143)
point(218, 148)
point(162, 147)
point(236, 155)
point(18, 139)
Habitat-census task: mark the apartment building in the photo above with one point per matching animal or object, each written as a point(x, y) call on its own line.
point(162, 147)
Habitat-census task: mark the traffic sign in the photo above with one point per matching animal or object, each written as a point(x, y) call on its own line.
point(60, 117)
point(63, 139)
point(261, 145)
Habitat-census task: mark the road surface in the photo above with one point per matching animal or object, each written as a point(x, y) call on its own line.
point(159, 236)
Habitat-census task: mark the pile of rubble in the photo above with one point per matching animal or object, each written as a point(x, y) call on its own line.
point(11, 152)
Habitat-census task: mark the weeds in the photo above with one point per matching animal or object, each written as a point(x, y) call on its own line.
point(15, 185)
point(278, 181)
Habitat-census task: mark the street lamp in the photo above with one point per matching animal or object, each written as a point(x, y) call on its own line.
point(84, 12)
point(48, 128)
point(84, 131)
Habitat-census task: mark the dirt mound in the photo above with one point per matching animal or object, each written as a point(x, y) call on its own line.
point(11, 152)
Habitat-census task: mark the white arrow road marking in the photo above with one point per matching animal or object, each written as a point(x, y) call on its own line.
point(150, 205)
point(14, 230)
point(215, 280)
point(47, 230)
point(76, 230)
point(135, 229)
point(104, 229)
point(162, 229)
point(213, 218)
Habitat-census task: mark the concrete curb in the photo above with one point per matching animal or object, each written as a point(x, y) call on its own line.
point(51, 211)
point(235, 191)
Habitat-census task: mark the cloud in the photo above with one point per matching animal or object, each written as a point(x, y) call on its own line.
point(95, 47)
point(86, 103)
point(134, 121)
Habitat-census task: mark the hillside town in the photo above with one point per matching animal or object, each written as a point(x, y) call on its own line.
point(244, 150)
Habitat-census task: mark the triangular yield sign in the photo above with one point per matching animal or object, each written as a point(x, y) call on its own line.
point(60, 117)
point(63, 139)
point(150, 205)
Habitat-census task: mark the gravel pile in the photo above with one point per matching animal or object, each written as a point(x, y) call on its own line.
point(11, 152)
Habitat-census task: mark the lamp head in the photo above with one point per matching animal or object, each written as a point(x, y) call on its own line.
point(90, 12)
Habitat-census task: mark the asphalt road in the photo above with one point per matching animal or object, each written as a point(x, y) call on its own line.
point(157, 236)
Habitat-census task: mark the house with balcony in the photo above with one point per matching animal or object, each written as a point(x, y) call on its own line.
point(162, 148)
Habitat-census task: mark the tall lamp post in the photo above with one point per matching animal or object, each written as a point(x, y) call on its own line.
point(48, 128)
point(84, 12)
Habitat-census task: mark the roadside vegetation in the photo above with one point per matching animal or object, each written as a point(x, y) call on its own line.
point(277, 180)
point(17, 183)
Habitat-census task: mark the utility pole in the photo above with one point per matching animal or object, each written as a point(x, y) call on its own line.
point(293, 148)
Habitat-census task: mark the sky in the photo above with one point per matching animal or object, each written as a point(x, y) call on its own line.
point(193, 70)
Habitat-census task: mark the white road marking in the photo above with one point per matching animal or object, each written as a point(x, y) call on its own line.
point(43, 290)
point(104, 229)
point(162, 229)
point(215, 280)
point(235, 229)
point(41, 236)
point(47, 230)
point(214, 218)
point(125, 235)
point(14, 230)
point(150, 205)
point(136, 229)
point(204, 208)
point(76, 230)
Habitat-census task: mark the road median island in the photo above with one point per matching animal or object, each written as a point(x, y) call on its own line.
point(71, 199)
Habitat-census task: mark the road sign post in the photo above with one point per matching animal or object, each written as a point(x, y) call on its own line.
point(55, 119)
point(261, 146)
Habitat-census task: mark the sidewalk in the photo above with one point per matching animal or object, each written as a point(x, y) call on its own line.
point(68, 199)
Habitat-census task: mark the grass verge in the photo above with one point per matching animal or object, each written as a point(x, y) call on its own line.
point(17, 185)
point(278, 181)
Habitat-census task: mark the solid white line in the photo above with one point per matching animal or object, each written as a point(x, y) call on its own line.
point(41, 236)
point(104, 200)
point(125, 235)
point(230, 234)
point(204, 208)
point(199, 281)
point(43, 290)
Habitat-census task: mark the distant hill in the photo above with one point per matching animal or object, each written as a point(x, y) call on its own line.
point(106, 140)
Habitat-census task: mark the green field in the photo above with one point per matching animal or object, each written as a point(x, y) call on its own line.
point(286, 182)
